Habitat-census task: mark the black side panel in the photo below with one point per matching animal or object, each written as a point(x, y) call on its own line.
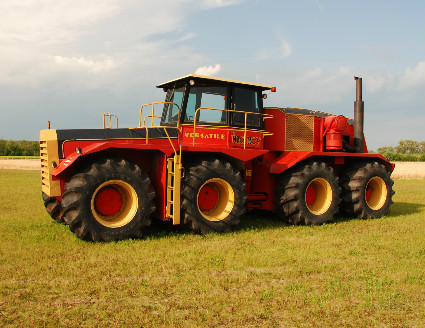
point(110, 134)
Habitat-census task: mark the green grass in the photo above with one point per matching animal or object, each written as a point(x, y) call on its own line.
point(353, 273)
point(19, 157)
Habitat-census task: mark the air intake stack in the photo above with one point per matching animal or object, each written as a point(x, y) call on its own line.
point(358, 117)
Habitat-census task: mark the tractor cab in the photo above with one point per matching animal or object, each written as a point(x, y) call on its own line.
point(196, 99)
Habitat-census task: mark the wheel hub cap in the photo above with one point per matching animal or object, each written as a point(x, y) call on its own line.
point(215, 199)
point(108, 201)
point(208, 198)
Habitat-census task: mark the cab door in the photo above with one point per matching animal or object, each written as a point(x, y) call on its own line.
point(247, 100)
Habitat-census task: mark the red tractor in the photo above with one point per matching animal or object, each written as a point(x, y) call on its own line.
point(216, 153)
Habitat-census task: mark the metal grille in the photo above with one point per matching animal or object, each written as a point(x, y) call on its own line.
point(299, 134)
point(44, 165)
point(48, 155)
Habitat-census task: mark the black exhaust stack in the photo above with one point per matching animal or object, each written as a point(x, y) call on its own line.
point(358, 117)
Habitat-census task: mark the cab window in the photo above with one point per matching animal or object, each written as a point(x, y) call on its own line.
point(208, 99)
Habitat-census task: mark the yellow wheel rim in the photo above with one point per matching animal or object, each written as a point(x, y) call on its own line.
point(215, 199)
point(376, 193)
point(114, 203)
point(318, 196)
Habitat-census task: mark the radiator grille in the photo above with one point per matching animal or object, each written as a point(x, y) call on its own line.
point(44, 165)
point(299, 134)
point(48, 154)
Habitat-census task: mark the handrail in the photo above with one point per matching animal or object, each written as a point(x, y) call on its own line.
point(110, 120)
point(144, 121)
point(152, 116)
point(265, 116)
point(153, 110)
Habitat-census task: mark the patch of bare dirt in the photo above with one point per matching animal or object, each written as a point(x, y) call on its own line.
point(20, 164)
point(409, 171)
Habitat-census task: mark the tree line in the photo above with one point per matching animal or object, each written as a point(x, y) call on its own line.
point(406, 150)
point(19, 148)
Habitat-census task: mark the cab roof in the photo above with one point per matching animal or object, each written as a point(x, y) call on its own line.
point(212, 79)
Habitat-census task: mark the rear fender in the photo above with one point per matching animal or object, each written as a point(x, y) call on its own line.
point(289, 159)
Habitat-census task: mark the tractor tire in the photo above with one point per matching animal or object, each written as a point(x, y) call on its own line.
point(367, 190)
point(53, 207)
point(308, 194)
point(213, 196)
point(110, 199)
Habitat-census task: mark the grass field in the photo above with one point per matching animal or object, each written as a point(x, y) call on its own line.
point(19, 157)
point(353, 273)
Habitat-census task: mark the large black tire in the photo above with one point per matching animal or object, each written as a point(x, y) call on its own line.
point(367, 189)
point(53, 207)
point(213, 196)
point(110, 199)
point(308, 194)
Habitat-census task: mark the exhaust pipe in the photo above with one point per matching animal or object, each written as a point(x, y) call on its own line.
point(358, 117)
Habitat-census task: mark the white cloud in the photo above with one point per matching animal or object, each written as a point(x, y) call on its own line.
point(41, 40)
point(413, 77)
point(319, 5)
point(219, 3)
point(208, 70)
point(50, 21)
point(286, 49)
point(89, 65)
point(377, 80)
point(316, 87)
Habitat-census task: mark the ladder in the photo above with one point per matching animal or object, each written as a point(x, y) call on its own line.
point(174, 168)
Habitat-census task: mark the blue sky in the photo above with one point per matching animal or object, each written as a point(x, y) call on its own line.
point(69, 61)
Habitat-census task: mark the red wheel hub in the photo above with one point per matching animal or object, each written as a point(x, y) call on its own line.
point(368, 193)
point(207, 198)
point(108, 201)
point(310, 195)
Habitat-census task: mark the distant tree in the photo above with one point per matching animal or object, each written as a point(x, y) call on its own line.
point(19, 148)
point(386, 149)
point(422, 147)
point(2, 146)
point(406, 150)
point(408, 147)
point(13, 148)
point(29, 148)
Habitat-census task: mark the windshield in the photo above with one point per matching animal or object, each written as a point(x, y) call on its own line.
point(207, 98)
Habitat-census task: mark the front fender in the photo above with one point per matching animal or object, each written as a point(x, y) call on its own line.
point(75, 159)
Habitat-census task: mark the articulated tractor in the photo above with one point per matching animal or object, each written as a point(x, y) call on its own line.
point(214, 153)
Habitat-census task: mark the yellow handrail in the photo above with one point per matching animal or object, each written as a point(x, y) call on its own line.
point(265, 116)
point(153, 110)
point(144, 121)
point(110, 120)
